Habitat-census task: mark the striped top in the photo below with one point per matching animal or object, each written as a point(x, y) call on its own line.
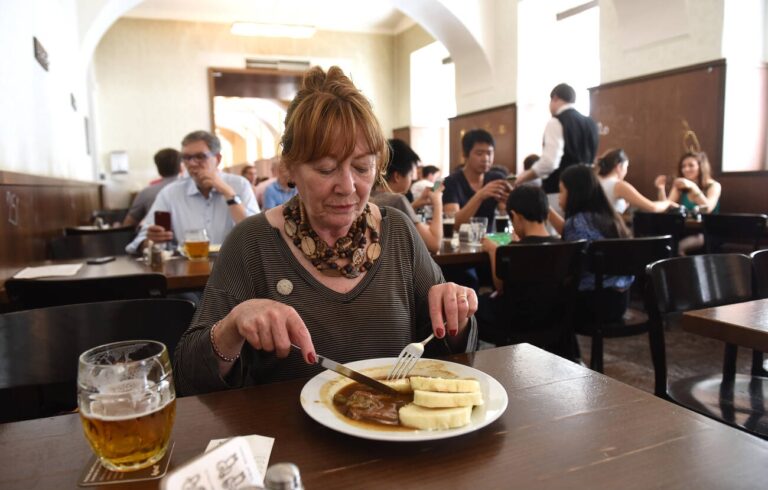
point(385, 311)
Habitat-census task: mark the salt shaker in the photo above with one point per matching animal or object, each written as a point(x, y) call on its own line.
point(156, 258)
point(283, 476)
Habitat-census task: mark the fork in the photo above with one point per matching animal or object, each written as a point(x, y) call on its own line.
point(407, 359)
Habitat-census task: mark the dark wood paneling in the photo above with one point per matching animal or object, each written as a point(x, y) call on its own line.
point(402, 134)
point(501, 122)
point(36, 209)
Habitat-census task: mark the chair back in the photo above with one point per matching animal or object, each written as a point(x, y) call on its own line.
point(46, 343)
point(109, 216)
point(88, 245)
point(539, 286)
point(744, 227)
point(760, 274)
point(659, 224)
point(686, 283)
point(38, 293)
point(625, 256)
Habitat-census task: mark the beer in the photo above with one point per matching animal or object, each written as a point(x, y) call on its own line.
point(196, 250)
point(130, 442)
point(127, 402)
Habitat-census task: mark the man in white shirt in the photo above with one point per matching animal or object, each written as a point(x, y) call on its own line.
point(570, 138)
point(207, 199)
point(429, 175)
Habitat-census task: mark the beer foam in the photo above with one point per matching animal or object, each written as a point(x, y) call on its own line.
point(92, 414)
point(128, 399)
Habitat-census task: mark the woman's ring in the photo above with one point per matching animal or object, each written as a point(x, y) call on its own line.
point(462, 297)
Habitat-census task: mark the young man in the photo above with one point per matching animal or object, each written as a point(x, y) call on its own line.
point(207, 199)
point(475, 190)
point(429, 175)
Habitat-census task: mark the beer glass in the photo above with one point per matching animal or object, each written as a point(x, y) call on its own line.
point(127, 402)
point(196, 245)
point(480, 225)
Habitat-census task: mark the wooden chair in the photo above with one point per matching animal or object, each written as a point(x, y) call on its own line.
point(737, 227)
point(539, 287)
point(619, 257)
point(659, 224)
point(86, 245)
point(759, 291)
point(39, 370)
point(38, 293)
point(687, 283)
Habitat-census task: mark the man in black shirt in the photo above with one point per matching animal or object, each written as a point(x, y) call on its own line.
point(570, 138)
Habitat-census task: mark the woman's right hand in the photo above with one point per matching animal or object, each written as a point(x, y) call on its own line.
point(660, 181)
point(271, 326)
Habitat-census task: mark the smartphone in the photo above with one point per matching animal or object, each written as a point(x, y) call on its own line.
point(163, 218)
point(437, 185)
point(100, 260)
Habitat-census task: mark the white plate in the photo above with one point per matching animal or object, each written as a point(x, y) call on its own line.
point(317, 396)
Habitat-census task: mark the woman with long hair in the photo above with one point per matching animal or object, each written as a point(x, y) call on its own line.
point(612, 168)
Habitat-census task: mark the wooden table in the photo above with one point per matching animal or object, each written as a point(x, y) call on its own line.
point(464, 254)
point(565, 427)
point(744, 324)
point(181, 274)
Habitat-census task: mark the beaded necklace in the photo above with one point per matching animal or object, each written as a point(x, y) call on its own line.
point(351, 246)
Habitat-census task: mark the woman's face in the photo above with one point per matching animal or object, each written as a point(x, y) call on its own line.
point(690, 168)
point(335, 192)
point(623, 169)
point(562, 197)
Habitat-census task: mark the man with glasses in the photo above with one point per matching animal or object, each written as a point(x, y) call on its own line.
point(207, 199)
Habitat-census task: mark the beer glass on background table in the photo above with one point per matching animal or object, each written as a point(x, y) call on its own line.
point(196, 245)
point(127, 402)
point(480, 226)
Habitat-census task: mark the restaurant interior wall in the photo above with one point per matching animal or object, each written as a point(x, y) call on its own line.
point(151, 83)
point(44, 111)
point(639, 38)
point(405, 43)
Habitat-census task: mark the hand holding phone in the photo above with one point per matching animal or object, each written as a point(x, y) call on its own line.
point(437, 185)
point(163, 218)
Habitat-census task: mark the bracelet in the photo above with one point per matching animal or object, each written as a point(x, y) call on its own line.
point(216, 349)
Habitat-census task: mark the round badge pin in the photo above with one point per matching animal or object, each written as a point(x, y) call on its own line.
point(284, 287)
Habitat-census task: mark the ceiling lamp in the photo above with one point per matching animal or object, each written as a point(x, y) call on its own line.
point(272, 30)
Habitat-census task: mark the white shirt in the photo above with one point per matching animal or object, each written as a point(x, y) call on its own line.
point(190, 210)
point(609, 186)
point(418, 187)
point(553, 147)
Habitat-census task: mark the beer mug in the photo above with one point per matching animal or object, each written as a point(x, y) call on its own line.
point(127, 402)
point(196, 244)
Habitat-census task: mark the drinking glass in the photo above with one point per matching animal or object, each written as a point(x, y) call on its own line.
point(480, 225)
point(196, 245)
point(127, 402)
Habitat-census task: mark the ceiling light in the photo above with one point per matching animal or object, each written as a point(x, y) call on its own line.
point(272, 30)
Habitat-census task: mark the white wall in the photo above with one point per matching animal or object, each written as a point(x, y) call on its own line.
point(40, 132)
point(405, 43)
point(151, 79)
point(684, 32)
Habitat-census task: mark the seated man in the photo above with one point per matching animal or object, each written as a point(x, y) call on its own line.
point(528, 208)
point(280, 191)
point(429, 175)
point(168, 163)
point(475, 190)
point(207, 199)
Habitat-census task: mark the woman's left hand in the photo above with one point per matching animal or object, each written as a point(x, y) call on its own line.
point(450, 306)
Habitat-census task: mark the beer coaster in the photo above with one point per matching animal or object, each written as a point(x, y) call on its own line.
point(95, 474)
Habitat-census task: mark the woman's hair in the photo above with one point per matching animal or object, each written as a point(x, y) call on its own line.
point(610, 160)
point(401, 158)
point(585, 195)
point(325, 119)
point(705, 170)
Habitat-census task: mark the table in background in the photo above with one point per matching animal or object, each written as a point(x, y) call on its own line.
point(743, 324)
point(464, 254)
point(181, 274)
point(565, 427)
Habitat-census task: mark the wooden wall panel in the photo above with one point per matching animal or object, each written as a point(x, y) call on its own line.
point(501, 122)
point(35, 209)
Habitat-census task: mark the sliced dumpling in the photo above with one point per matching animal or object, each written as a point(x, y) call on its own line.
point(446, 385)
point(434, 418)
point(434, 399)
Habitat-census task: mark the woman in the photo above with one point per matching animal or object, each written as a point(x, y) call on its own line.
point(400, 170)
point(611, 170)
point(695, 190)
point(589, 215)
point(326, 271)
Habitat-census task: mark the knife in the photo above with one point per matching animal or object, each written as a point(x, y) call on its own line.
point(352, 374)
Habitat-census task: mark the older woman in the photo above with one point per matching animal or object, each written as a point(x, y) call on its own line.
point(327, 271)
